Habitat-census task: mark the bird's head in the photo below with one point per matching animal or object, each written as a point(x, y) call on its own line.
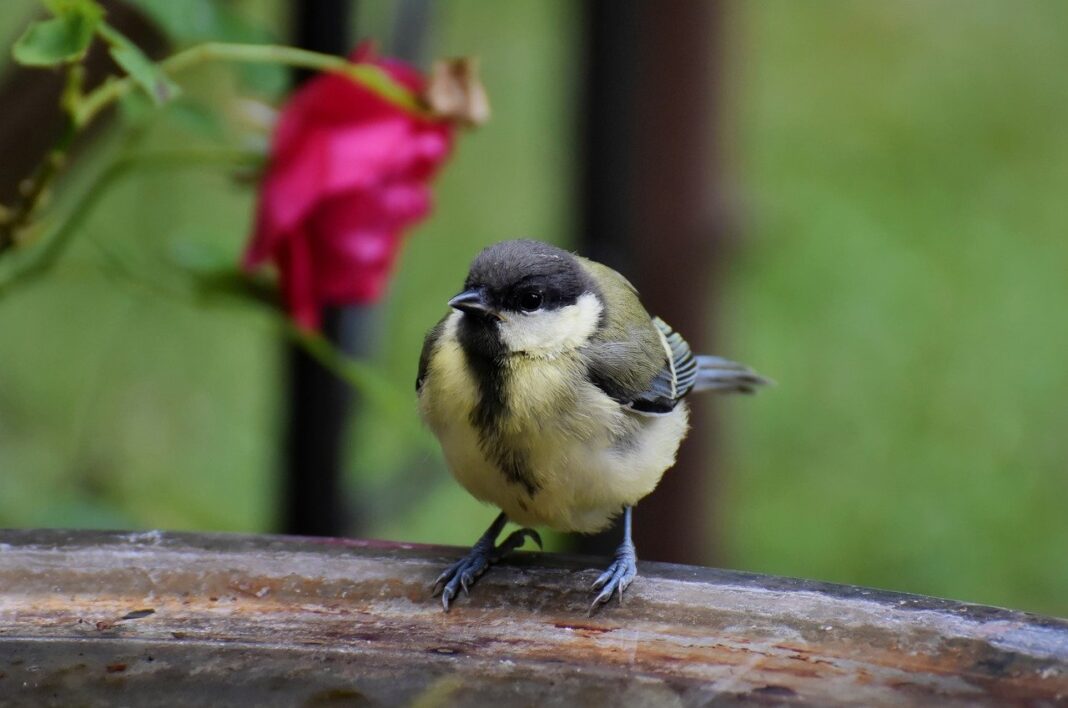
point(527, 297)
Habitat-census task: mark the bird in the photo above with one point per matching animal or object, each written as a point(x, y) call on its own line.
point(556, 397)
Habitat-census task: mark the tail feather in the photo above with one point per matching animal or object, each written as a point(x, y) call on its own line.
point(714, 373)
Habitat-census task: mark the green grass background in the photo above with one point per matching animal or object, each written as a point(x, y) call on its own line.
point(901, 170)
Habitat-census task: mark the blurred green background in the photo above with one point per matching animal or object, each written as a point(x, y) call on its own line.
point(901, 170)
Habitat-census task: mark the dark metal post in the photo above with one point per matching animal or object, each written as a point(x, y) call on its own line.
point(319, 403)
point(652, 208)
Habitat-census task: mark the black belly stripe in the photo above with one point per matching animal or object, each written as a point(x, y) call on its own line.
point(484, 354)
point(514, 466)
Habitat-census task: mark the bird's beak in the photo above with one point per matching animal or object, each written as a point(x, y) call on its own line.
point(473, 302)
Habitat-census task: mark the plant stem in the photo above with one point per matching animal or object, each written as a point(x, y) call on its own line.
point(370, 77)
point(81, 110)
point(383, 396)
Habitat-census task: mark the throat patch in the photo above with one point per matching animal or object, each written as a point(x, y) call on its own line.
point(484, 353)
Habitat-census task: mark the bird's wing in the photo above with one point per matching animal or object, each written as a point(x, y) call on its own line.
point(629, 356)
point(676, 379)
point(689, 373)
point(428, 347)
point(614, 368)
point(649, 371)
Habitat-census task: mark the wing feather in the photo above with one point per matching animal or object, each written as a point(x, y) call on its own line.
point(666, 382)
point(679, 374)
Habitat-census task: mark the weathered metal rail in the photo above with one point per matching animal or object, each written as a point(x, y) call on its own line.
point(89, 618)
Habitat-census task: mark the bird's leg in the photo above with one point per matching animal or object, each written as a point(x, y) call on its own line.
point(622, 571)
point(463, 573)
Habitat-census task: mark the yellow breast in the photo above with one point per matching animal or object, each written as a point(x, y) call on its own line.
point(587, 455)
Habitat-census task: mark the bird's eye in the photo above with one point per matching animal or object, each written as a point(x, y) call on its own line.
point(530, 300)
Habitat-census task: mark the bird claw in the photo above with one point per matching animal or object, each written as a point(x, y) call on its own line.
point(462, 574)
point(617, 578)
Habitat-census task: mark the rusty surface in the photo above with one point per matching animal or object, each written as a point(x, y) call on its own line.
point(90, 618)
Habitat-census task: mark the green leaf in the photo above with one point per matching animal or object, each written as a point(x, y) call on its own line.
point(64, 38)
point(145, 72)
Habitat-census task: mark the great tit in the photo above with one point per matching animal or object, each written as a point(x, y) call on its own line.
point(557, 398)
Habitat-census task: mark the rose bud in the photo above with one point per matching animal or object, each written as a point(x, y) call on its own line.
point(348, 171)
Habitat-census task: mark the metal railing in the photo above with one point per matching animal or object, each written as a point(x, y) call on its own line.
point(91, 618)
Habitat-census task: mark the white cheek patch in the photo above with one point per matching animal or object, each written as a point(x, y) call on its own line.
point(547, 333)
point(452, 323)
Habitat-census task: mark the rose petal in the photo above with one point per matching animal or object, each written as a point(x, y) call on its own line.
point(358, 238)
point(298, 281)
point(348, 172)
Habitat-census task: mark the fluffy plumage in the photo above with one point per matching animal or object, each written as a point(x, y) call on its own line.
point(565, 413)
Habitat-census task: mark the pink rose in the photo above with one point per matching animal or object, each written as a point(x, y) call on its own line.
point(348, 172)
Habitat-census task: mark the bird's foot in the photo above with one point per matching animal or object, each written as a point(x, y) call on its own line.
point(462, 574)
point(618, 576)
